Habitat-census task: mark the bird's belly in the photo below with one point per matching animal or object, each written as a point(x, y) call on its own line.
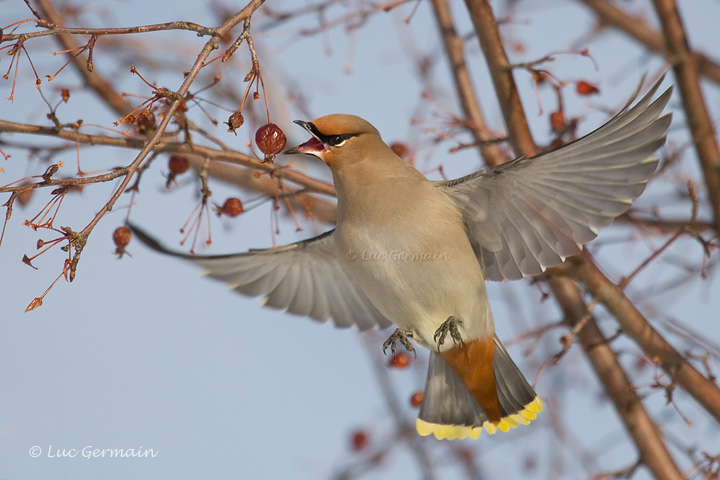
point(418, 288)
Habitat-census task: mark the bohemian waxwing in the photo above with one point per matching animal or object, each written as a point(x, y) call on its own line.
point(416, 253)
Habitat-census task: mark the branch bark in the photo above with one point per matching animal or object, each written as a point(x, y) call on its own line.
point(683, 62)
point(634, 324)
point(486, 28)
point(463, 84)
point(611, 15)
point(171, 147)
point(645, 434)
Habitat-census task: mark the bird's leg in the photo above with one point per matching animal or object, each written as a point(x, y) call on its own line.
point(450, 325)
point(402, 336)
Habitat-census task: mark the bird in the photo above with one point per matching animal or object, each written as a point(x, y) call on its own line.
point(415, 253)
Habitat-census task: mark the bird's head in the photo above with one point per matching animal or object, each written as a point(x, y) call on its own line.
point(339, 139)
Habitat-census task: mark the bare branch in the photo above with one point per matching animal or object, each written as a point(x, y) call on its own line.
point(637, 422)
point(486, 28)
point(463, 84)
point(618, 387)
point(613, 16)
point(637, 327)
point(169, 147)
point(681, 58)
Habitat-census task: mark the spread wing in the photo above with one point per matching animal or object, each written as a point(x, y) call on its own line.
point(532, 213)
point(303, 278)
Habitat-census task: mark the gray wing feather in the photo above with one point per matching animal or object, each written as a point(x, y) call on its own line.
point(302, 278)
point(532, 213)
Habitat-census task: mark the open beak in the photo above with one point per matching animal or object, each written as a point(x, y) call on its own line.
point(314, 146)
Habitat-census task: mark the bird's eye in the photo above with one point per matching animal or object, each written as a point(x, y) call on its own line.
point(338, 140)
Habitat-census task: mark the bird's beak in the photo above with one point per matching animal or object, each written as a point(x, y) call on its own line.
point(314, 146)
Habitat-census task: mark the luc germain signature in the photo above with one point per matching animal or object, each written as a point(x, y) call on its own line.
point(89, 451)
point(398, 256)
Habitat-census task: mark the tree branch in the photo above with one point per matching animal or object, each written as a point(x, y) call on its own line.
point(698, 119)
point(170, 147)
point(639, 425)
point(487, 31)
point(637, 327)
point(53, 29)
point(611, 15)
point(637, 422)
point(463, 84)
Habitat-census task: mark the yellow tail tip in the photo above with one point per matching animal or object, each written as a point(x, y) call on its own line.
point(453, 432)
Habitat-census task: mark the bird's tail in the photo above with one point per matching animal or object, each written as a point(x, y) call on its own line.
point(449, 410)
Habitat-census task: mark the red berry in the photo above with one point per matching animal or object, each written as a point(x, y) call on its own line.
point(359, 440)
point(417, 398)
point(232, 207)
point(178, 164)
point(122, 236)
point(400, 360)
point(270, 139)
point(585, 88)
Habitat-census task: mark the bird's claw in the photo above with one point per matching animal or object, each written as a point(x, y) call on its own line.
point(449, 326)
point(402, 336)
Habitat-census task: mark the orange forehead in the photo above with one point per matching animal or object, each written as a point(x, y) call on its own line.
point(339, 123)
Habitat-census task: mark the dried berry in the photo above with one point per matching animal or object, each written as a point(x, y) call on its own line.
point(145, 121)
point(270, 139)
point(232, 207)
point(24, 197)
point(540, 77)
point(235, 121)
point(121, 237)
point(585, 88)
point(399, 360)
point(557, 143)
point(417, 398)
point(178, 164)
point(359, 441)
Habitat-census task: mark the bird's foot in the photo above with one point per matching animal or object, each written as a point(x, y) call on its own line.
point(402, 336)
point(449, 326)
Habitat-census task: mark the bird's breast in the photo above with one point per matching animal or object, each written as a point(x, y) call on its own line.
point(418, 268)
